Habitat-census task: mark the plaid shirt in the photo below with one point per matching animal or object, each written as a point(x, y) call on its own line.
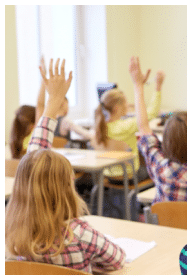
point(89, 248)
point(170, 177)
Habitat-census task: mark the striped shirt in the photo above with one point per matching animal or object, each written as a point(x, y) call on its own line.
point(183, 260)
point(170, 177)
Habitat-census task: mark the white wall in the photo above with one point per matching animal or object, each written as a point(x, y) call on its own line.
point(11, 76)
point(158, 35)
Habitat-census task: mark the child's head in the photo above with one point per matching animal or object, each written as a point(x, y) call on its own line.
point(112, 102)
point(22, 126)
point(174, 143)
point(43, 203)
point(64, 108)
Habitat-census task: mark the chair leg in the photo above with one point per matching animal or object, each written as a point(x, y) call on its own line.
point(92, 196)
point(149, 217)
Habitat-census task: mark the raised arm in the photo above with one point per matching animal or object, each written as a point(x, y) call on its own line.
point(41, 96)
point(140, 107)
point(57, 87)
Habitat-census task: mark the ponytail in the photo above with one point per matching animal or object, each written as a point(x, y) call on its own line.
point(100, 126)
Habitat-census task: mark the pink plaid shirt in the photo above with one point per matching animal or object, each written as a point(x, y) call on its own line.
point(170, 177)
point(89, 248)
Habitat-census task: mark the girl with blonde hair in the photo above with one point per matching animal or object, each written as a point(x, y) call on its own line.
point(111, 123)
point(43, 221)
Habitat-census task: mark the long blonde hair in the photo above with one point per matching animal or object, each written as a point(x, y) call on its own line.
point(42, 205)
point(108, 100)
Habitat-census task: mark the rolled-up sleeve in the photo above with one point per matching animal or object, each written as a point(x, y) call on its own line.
point(150, 147)
point(104, 254)
point(43, 134)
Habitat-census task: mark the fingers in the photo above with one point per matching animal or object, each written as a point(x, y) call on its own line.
point(70, 78)
point(137, 61)
point(63, 69)
point(146, 76)
point(42, 71)
point(57, 66)
point(51, 68)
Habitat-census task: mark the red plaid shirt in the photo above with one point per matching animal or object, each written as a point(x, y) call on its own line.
point(170, 177)
point(89, 248)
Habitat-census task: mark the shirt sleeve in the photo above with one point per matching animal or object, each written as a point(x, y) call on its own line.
point(103, 253)
point(130, 124)
point(154, 107)
point(150, 147)
point(43, 134)
point(87, 134)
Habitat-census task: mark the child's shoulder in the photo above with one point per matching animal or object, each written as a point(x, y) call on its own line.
point(80, 226)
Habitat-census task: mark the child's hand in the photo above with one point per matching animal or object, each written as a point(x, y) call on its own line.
point(42, 64)
point(160, 76)
point(135, 72)
point(57, 86)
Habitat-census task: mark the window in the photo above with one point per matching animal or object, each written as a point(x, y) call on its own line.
point(77, 33)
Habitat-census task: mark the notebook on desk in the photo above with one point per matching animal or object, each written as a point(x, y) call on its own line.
point(115, 154)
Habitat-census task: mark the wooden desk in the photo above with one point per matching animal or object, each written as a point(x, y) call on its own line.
point(147, 196)
point(161, 260)
point(9, 181)
point(89, 161)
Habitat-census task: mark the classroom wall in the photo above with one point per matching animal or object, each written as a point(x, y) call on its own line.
point(158, 35)
point(11, 77)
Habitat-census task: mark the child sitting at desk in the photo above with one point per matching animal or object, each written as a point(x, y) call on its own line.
point(166, 162)
point(43, 215)
point(111, 124)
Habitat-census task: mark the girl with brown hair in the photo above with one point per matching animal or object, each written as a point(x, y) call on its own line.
point(166, 162)
point(43, 221)
point(21, 130)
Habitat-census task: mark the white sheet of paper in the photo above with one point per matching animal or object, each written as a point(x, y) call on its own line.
point(133, 248)
point(70, 156)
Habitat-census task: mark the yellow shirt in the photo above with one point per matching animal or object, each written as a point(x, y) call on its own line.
point(124, 130)
point(26, 141)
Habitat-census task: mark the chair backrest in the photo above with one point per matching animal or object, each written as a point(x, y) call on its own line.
point(11, 167)
point(171, 213)
point(35, 268)
point(59, 142)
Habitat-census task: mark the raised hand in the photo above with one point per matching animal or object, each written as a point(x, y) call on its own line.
point(57, 86)
point(135, 71)
point(159, 79)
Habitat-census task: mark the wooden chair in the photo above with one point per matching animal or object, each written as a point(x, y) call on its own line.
point(169, 213)
point(59, 142)
point(35, 268)
point(11, 167)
